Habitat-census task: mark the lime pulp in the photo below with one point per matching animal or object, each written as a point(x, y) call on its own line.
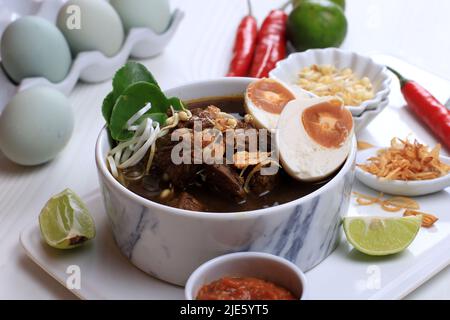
point(380, 236)
point(65, 221)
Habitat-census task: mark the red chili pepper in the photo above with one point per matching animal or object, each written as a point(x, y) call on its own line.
point(427, 108)
point(271, 44)
point(244, 46)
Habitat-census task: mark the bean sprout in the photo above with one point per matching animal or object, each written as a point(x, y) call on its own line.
point(142, 151)
point(112, 166)
point(150, 158)
point(226, 115)
point(138, 114)
point(126, 155)
point(131, 152)
point(257, 168)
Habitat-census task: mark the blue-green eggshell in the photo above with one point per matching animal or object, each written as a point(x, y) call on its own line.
point(153, 14)
point(35, 126)
point(91, 25)
point(33, 47)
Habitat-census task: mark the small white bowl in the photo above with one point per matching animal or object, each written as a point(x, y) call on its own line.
point(258, 265)
point(398, 187)
point(287, 71)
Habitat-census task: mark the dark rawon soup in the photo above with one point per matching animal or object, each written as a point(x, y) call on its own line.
point(213, 188)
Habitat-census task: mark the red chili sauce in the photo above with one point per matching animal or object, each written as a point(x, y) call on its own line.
point(229, 288)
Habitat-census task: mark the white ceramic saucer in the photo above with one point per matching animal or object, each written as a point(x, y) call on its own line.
point(398, 187)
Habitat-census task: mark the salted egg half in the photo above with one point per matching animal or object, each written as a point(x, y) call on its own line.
point(265, 99)
point(314, 137)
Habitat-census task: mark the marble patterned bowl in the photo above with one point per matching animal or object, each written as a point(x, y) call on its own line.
point(170, 243)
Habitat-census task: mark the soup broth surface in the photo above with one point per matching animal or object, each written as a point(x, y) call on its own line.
point(288, 189)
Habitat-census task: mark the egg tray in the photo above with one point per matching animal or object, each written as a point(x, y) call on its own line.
point(94, 66)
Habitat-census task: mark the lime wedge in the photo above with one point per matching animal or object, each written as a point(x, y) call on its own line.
point(380, 236)
point(65, 221)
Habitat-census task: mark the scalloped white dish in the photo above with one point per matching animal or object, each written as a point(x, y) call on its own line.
point(287, 71)
point(361, 121)
point(94, 66)
point(398, 187)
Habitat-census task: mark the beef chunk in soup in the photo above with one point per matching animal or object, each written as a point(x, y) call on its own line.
point(261, 184)
point(206, 116)
point(187, 201)
point(225, 180)
point(180, 175)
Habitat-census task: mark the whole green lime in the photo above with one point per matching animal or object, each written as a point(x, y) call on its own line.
point(340, 3)
point(317, 24)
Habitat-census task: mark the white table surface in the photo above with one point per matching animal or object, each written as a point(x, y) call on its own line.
point(414, 30)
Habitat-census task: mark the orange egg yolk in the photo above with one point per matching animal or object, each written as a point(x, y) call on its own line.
point(328, 123)
point(269, 95)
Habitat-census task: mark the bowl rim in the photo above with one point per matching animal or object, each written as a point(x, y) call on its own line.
point(379, 95)
point(106, 174)
point(233, 257)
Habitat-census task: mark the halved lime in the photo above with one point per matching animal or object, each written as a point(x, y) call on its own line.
point(380, 236)
point(65, 221)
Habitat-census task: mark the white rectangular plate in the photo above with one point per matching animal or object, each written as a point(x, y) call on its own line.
point(346, 274)
point(105, 273)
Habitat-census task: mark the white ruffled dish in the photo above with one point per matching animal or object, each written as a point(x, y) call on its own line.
point(361, 121)
point(287, 71)
point(94, 66)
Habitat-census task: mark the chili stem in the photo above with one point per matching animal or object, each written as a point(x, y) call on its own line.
point(250, 9)
point(284, 6)
point(402, 79)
